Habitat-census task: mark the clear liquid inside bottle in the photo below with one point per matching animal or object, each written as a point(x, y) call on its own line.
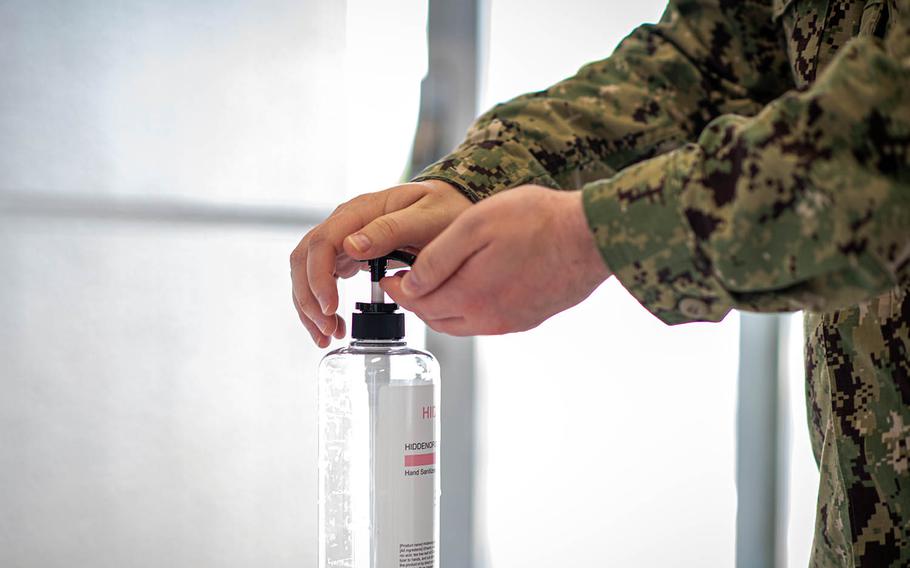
point(378, 497)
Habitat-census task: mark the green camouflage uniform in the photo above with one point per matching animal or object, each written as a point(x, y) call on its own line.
point(754, 154)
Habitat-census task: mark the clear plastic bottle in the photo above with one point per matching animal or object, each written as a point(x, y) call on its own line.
point(379, 479)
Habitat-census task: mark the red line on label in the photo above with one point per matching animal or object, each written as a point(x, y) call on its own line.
point(419, 459)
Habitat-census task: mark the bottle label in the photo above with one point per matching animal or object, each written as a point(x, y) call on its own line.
point(406, 483)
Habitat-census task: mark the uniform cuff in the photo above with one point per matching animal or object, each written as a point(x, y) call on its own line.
point(647, 242)
point(482, 168)
point(457, 182)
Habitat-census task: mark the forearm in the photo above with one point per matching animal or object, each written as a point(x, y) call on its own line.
point(658, 90)
point(805, 206)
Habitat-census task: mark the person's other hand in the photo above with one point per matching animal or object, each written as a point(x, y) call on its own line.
point(371, 225)
point(505, 265)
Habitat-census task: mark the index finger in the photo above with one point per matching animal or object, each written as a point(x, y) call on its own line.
point(315, 261)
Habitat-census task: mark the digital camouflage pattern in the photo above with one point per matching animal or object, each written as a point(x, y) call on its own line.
point(756, 155)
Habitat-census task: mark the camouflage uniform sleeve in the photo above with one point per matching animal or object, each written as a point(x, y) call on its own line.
point(659, 89)
point(804, 206)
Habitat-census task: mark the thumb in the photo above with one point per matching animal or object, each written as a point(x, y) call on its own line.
point(443, 256)
point(389, 232)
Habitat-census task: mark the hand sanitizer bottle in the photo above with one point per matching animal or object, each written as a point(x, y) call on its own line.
point(378, 499)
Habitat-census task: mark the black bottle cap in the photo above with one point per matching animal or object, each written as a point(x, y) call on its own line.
point(380, 320)
point(378, 325)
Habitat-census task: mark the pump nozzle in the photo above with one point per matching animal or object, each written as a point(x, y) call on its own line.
point(378, 319)
point(378, 267)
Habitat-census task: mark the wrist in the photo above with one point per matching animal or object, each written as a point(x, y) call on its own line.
point(448, 185)
point(581, 237)
point(449, 190)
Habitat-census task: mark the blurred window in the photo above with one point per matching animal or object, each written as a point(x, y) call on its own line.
point(159, 162)
point(801, 472)
point(607, 431)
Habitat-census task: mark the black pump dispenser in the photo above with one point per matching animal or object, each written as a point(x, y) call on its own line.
point(379, 319)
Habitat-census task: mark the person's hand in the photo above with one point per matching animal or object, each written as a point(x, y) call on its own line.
point(371, 225)
point(505, 265)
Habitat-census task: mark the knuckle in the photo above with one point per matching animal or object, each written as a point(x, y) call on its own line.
point(298, 255)
point(316, 239)
point(402, 196)
point(342, 207)
point(363, 200)
point(386, 226)
point(355, 201)
point(313, 234)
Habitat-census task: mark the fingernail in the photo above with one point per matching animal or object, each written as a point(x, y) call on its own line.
point(360, 242)
point(410, 284)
